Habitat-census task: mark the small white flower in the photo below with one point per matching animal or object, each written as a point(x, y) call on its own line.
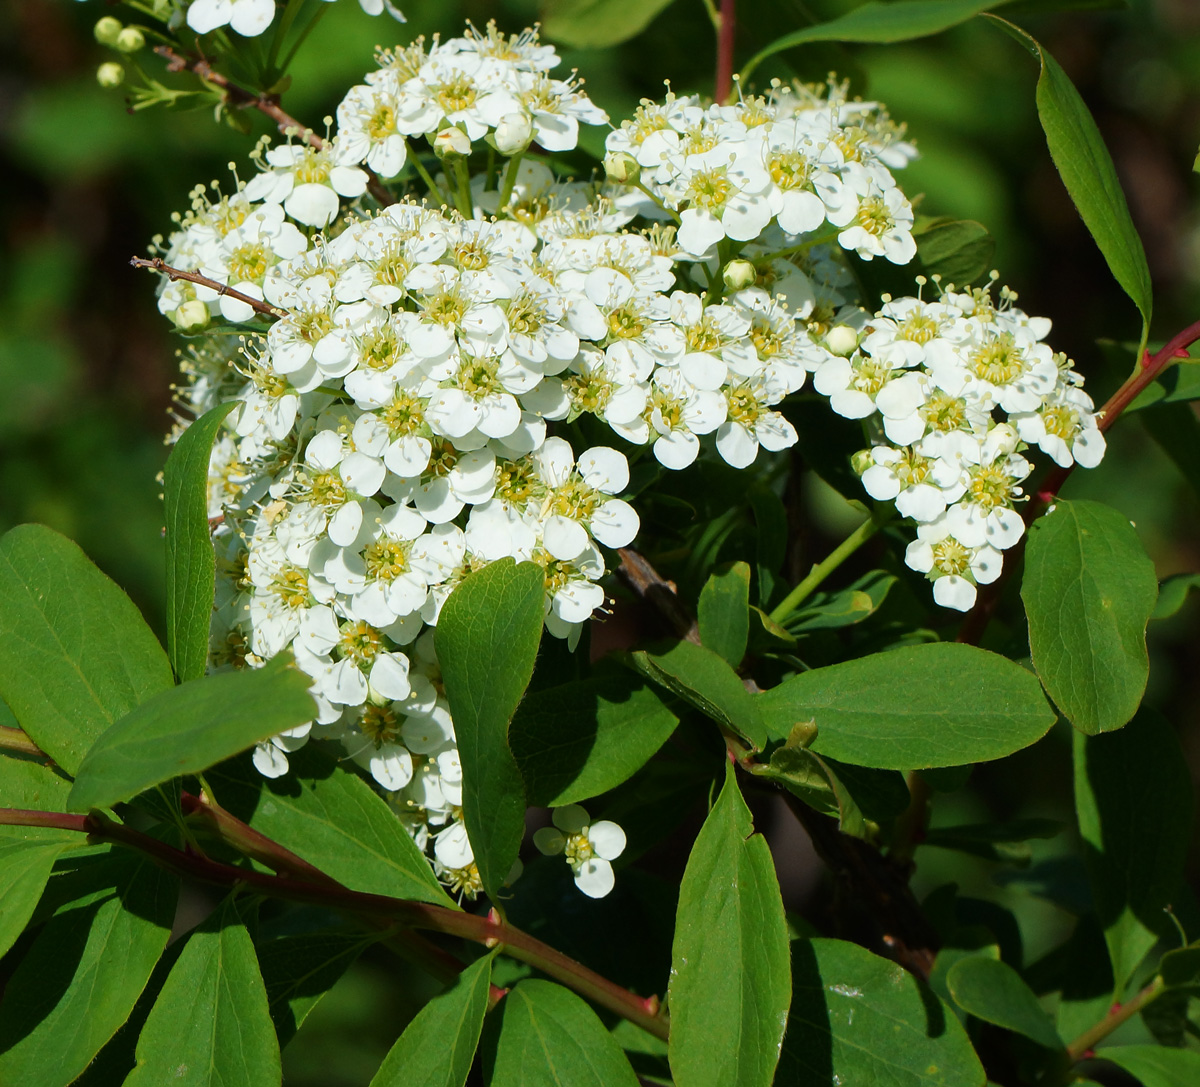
point(589, 847)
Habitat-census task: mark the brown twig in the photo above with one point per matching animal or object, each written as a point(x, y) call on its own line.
point(13, 739)
point(159, 265)
point(1149, 368)
point(644, 580)
point(266, 104)
point(726, 33)
point(491, 931)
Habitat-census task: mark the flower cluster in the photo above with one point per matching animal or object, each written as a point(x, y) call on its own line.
point(956, 390)
point(413, 381)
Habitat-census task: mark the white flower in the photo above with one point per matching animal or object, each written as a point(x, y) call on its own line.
point(954, 568)
point(248, 17)
point(589, 847)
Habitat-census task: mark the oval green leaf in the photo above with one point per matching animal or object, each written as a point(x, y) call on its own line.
point(1089, 590)
point(879, 22)
point(191, 563)
point(82, 976)
point(942, 704)
point(487, 641)
point(190, 728)
point(24, 869)
point(1088, 173)
point(730, 981)
point(209, 1026)
point(438, 1046)
point(334, 820)
point(75, 654)
point(993, 991)
point(860, 1019)
point(1155, 1065)
point(723, 614)
point(1133, 797)
point(594, 24)
point(581, 739)
point(548, 1037)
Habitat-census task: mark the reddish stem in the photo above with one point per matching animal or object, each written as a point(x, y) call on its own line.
point(726, 35)
point(1149, 368)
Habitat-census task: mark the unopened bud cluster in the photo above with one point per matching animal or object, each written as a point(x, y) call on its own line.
point(405, 374)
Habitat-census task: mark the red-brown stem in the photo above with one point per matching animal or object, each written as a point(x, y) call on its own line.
point(726, 36)
point(159, 265)
point(490, 931)
point(13, 739)
point(1117, 1014)
point(266, 104)
point(1149, 368)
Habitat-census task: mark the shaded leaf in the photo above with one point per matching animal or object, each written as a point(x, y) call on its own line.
point(75, 655)
point(548, 1037)
point(1173, 593)
point(1176, 431)
point(438, 1046)
point(705, 681)
point(334, 820)
point(723, 614)
point(210, 1026)
point(940, 704)
point(958, 250)
point(1180, 968)
point(1155, 1065)
point(1007, 842)
point(842, 607)
point(487, 640)
point(191, 563)
point(581, 739)
point(1133, 796)
point(1088, 590)
point(24, 869)
point(730, 984)
point(860, 1019)
point(994, 992)
point(189, 728)
point(594, 24)
point(83, 974)
point(1177, 384)
point(1087, 170)
point(30, 785)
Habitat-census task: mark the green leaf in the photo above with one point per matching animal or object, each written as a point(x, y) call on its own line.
point(879, 22)
point(843, 607)
point(75, 655)
point(1133, 796)
point(1089, 590)
point(191, 563)
point(33, 786)
point(859, 1019)
point(548, 1037)
point(724, 613)
point(1173, 593)
point(958, 250)
point(730, 981)
point(299, 970)
point(1176, 431)
point(24, 869)
point(1155, 1065)
point(334, 820)
point(705, 681)
point(581, 739)
point(438, 1046)
point(994, 992)
point(1088, 173)
point(1180, 968)
point(210, 1026)
point(859, 798)
point(1006, 842)
point(84, 972)
point(487, 640)
point(190, 728)
point(941, 704)
point(594, 24)
point(1179, 383)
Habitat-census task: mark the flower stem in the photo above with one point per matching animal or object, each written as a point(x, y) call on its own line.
point(434, 190)
point(323, 891)
point(463, 196)
point(726, 35)
point(831, 562)
point(510, 179)
point(1117, 1015)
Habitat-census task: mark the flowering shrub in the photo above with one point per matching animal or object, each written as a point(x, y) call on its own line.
point(432, 373)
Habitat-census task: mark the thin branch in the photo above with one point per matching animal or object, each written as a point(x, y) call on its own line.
point(644, 580)
point(13, 739)
point(1149, 368)
point(726, 31)
point(490, 931)
point(266, 104)
point(1082, 1046)
point(159, 265)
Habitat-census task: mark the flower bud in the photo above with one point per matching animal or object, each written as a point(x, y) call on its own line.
point(861, 461)
point(841, 340)
point(110, 74)
point(622, 167)
point(739, 274)
point(1003, 438)
point(106, 30)
point(130, 40)
point(191, 316)
point(513, 134)
point(451, 141)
